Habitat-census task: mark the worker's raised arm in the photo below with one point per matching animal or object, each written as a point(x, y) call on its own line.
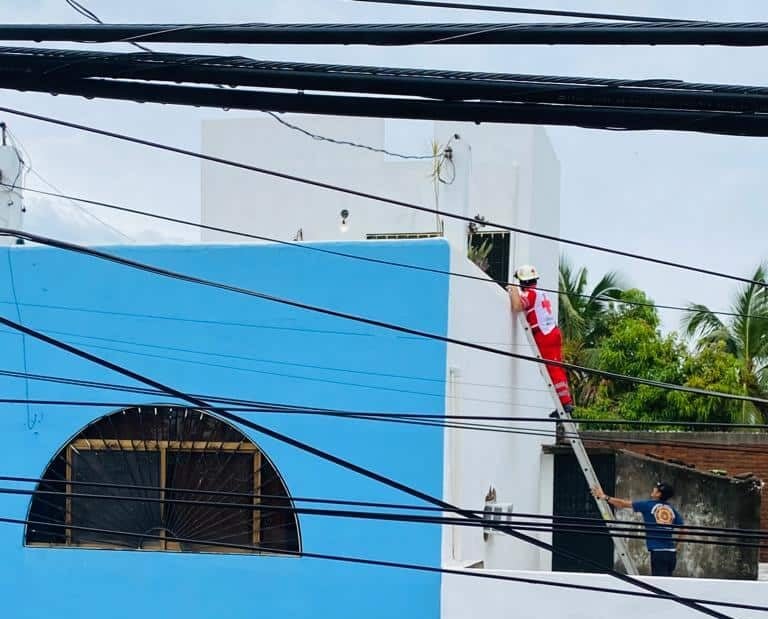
point(598, 493)
point(514, 298)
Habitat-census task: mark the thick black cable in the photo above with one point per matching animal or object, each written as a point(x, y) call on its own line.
point(88, 14)
point(438, 421)
point(91, 252)
point(481, 278)
point(400, 565)
point(618, 528)
point(257, 406)
point(526, 11)
point(369, 196)
point(736, 34)
point(614, 117)
point(535, 518)
point(34, 68)
point(346, 464)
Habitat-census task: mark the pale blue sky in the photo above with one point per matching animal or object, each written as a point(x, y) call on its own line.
point(694, 198)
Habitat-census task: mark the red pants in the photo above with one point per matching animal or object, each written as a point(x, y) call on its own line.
point(551, 347)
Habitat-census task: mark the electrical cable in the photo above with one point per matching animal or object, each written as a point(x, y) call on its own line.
point(616, 116)
point(88, 14)
point(346, 464)
point(459, 422)
point(736, 34)
point(618, 529)
point(691, 602)
point(526, 11)
point(94, 253)
point(561, 519)
point(322, 138)
point(484, 279)
point(369, 196)
point(467, 87)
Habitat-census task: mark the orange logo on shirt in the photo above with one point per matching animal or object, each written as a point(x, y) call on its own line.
point(664, 514)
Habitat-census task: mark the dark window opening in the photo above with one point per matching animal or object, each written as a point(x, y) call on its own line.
point(498, 257)
point(163, 479)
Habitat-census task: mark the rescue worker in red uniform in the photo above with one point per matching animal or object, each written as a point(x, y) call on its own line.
point(540, 315)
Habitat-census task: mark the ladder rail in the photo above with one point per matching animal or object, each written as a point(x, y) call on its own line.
point(572, 431)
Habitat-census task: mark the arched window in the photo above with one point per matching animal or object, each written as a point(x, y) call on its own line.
point(163, 478)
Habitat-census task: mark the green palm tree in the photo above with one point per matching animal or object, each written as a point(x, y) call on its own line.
point(581, 309)
point(581, 313)
point(745, 336)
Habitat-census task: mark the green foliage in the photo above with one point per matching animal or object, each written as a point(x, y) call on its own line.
point(743, 336)
point(624, 338)
point(479, 253)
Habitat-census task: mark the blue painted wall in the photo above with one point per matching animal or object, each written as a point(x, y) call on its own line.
point(214, 342)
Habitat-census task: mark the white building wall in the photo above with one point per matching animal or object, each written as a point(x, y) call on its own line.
point(464, 597)
point(501, 183)
point(479, 384)
point(11, 199)
point(513, 179)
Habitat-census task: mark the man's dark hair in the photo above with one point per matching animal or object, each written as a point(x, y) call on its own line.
point(667, 491)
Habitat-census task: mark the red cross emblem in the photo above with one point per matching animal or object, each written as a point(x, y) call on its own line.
point(547, 305)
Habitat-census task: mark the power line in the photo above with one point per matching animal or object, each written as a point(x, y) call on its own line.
point(618, 529)
point(527, 11)
point(736, 34)
point(322, 138)
point(94, 253)
point(327, 456)
point(691, 602)
point(466, 87)
point(614, 117)
point(331, 252)
point(369, 196)
point(459, 422)
point(560, 519)
point(88, 14)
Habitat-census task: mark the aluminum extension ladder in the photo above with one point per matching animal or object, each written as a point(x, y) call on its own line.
point(574, 438)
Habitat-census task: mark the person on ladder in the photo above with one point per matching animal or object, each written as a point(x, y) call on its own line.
point(538, 312)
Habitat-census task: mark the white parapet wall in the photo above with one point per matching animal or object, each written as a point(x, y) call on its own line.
point(465, 596)
point(481, 383)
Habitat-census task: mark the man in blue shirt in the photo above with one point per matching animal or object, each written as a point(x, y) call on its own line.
point(660, 519)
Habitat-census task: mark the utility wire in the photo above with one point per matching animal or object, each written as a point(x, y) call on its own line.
point(346, 464)
point(691, 602)
point(525, 11)
point(88, 14)
point(71, 247)
point(533, 518)
point(323, 250)
point(737, 34)
point(322, 138)
point(618, 529)
point(459, 422)
point(370, 196)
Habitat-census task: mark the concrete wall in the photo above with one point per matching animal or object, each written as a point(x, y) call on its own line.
point(481, 383)
point(464, 597)
point(738, 453)
point(211, 341)
point(514, 173)
point(702, 500)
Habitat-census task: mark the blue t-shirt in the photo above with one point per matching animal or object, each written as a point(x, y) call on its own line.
point(658, 517)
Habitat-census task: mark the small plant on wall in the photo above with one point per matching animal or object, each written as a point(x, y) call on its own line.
point(479, 253)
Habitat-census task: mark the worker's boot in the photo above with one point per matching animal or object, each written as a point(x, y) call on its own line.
point(568, 408)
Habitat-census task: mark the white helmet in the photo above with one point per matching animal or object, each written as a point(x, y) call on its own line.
point(526, 273)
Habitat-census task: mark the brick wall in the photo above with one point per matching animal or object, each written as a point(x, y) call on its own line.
point(735, 453)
